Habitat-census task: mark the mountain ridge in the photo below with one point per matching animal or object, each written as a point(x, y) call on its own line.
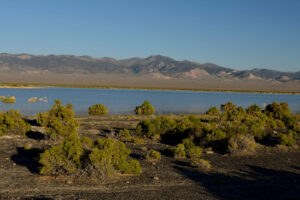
point(156, 66)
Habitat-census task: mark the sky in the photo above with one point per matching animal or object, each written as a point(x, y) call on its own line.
point(240, 34)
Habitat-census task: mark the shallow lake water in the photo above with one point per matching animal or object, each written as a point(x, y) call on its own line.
point(122, 101)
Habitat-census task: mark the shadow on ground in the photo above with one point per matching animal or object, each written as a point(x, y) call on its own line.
point(256, 183)
point(32, 122)
point(27, 158)
point(35, 135)
point(37, 198)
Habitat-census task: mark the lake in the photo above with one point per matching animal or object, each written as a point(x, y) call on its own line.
point(122, 101)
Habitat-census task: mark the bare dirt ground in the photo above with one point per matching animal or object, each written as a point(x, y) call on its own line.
point(270, 173)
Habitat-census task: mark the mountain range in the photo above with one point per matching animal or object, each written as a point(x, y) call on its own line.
point(155, 67)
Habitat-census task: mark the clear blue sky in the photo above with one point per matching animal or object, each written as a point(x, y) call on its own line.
point(240, 34)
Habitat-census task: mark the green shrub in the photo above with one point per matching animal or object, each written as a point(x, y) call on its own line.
point(124, 134)
point(228, 107)
point(87, 143)
point(110, 155)
point(214, 135)
point(136, 140)
point(185, 124)
point(213, 111)
point(253, 109)
point(156, 137)
point(161, 125)
point(77, 154)
point(240, 111)
point(201, 163)
point(42, 118)
point(277, 111)
point(235, 126)
point(11, 122)
point(63, 158)
point(291, 122)
point(241, 143)
point(98, 109)
point(258, 131)
point(194, 152)
point(10, 99)
point(179, 151)
point(289, 138)
point(27, 146)
point(279, 123)
point(145, 109)
point(59, 121)
point(132, 167)
point(153, 155)
point(188, 143)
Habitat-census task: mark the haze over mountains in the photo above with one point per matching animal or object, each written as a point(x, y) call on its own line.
point(40, 68)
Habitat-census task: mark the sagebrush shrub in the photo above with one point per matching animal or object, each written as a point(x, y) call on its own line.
point(145, 109)
point(253, 109)
point(111, 155)
point(124, 134)
point(160, 125)
point(137, 140)
point(10, 99)
point(62, 158)
point(188, 143)
point(153, 155)
point(179, 151)
point(98, 109)
point(59, 121)
point(201, 163)
point(277, 111)
point(213, 111)
point(241, 143)
point(77, 154)
point(289, 138)
point(11, 122)
point(194, 152)
point(228, 107)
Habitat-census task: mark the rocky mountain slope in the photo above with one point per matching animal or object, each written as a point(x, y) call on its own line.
point(160, 67)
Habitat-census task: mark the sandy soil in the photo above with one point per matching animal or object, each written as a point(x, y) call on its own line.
point(270, 173)
point(121, 80)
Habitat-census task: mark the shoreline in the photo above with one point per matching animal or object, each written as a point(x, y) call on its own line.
point(39, 86)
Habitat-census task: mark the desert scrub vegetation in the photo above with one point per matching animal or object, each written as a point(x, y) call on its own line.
point(213, 111)
point(62, 158)
point(235, 129)
point(11, 122)
point(77, 155)
point(288, 139)
point(36, 99)
point(145, 109)
point(9, 99)
point(159, 126)
point(124, 134)
point(59, 121)
point(153, 155)
point(201, 163)
point(98, 109)
point(179, 151)
point(137, 140)
point(241, 144)
point(110, 155)
point(188, 149)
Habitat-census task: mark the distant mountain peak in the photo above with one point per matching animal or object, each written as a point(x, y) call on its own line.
point(155, 65)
